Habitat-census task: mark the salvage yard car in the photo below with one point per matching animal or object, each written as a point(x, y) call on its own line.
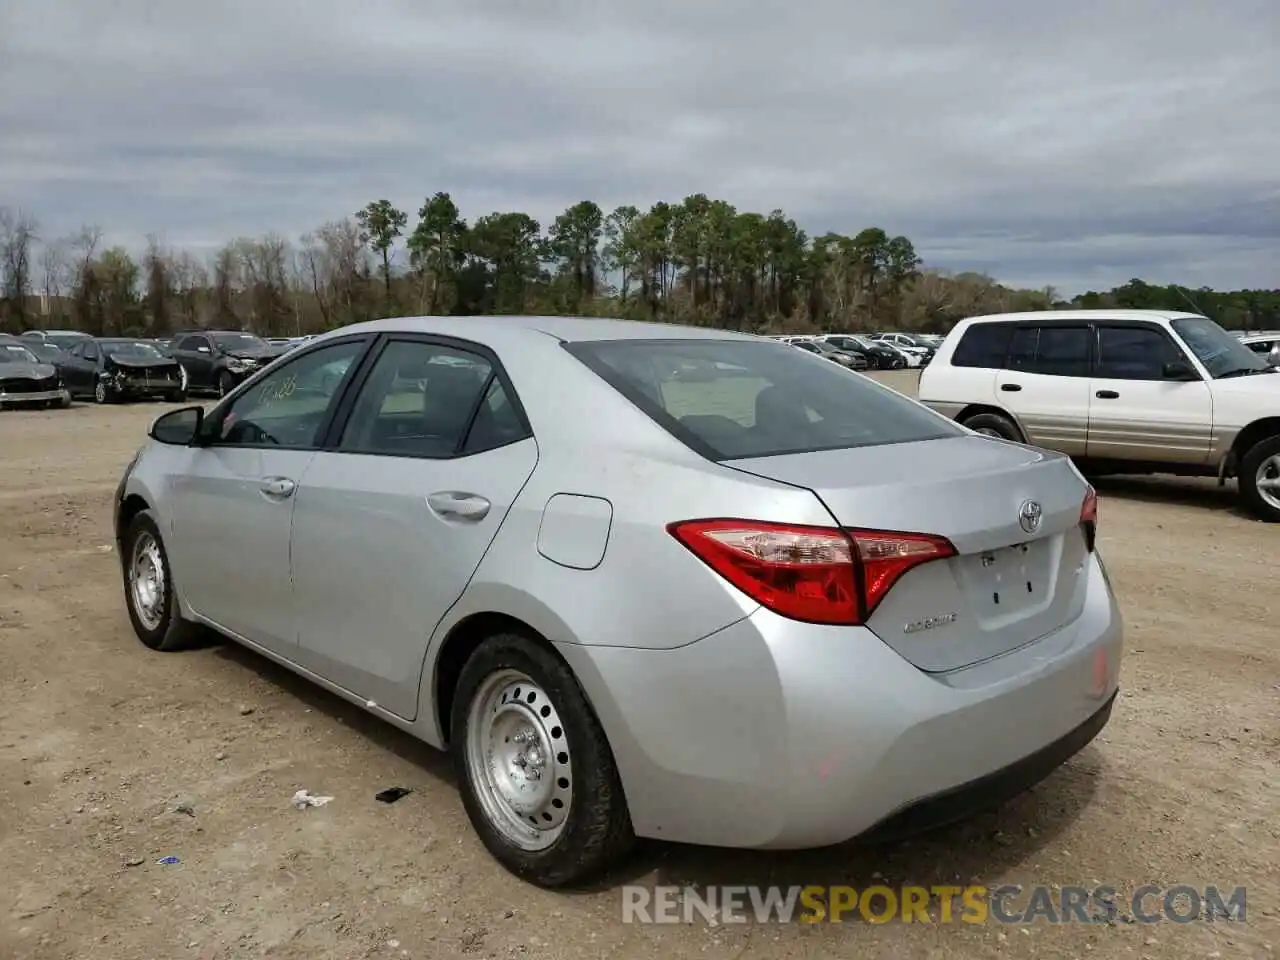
point(220, 360)
point(639, 579)
point(1121, 391)
point(114, 369)
point(26, 380)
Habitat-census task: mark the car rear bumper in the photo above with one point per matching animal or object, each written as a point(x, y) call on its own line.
point(775, 734)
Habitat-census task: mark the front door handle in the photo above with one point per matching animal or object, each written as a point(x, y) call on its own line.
point(454, 505)
point(1107, 395)
point(1010, 387)
point(278, 488)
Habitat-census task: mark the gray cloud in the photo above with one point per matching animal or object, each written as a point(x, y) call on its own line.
point(1074, 145)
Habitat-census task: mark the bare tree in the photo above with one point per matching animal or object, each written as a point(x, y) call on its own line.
point(55, 266)
point(17, 236)
point(157, 265)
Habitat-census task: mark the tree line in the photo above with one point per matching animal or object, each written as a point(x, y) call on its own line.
point(700, 261)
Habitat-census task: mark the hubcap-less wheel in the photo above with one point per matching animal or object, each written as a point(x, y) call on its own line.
point(1267, 480)
point(147, 581)
point(518, 757)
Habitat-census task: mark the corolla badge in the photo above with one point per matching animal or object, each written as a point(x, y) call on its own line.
point(928, 623)
point(1029, 516)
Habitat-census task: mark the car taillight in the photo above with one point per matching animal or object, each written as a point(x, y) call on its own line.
point(1089, 518)
point(814, 574)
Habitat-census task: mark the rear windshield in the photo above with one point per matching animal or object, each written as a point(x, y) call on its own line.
point(730, 399)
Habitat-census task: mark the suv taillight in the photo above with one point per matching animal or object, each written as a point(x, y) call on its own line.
point(814, 574)
point(1089, 518)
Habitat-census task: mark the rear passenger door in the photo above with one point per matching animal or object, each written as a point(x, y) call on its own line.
point(1136, 412)
point(393, 517)
point(1046, 384)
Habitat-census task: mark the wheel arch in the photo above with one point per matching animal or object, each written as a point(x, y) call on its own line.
point(1251, 434)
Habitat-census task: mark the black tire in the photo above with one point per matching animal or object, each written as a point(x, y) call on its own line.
point(226, 383)
point(995, 425)
point(1254, 461)
point(171, 632)
point(597, 830)
point(178, 396)
point(102, 393)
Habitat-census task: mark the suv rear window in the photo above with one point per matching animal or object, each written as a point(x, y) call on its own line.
point(730, 399)
point(983, 345)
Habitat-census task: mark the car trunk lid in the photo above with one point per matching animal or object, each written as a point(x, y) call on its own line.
point(1006, 586)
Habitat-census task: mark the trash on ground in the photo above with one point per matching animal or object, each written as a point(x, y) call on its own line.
point(185, 807)
point(134, 862)
point(304, 798)
point(168, 860)
point(392, 794)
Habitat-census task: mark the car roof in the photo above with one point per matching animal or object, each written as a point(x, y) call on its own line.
point(1064, 316)
point(494, 329)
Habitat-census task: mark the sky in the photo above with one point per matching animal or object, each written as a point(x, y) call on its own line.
point(1074, 145)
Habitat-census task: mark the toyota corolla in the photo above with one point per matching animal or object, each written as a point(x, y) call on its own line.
point(640, 580)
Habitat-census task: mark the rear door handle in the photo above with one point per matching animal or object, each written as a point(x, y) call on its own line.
point(454, 505)
point(278, 488)
point(1107, 395)
point(1010, 387)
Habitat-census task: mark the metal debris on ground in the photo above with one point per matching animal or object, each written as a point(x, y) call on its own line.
point(391, 794)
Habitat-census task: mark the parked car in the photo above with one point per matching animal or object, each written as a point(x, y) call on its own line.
point(219, 360)
point(114, 369)
point(640, 579)
point(45, 351)
point(1265, 344)
point(846, 358)
point(25, 380)
point(910, 344)
point(1122, 391)
point(62, 339)
point(879, 355)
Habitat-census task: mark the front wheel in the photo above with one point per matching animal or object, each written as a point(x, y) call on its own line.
point(101, 394)
point(1260, 479)
point(226, 383)
point(148, 588)
point(538, 779)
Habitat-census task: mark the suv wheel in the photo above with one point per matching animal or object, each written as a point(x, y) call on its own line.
point(1259, 479)
point(993, 425)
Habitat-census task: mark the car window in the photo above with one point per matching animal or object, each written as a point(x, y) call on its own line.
point(16, 353)
point(729, 399)
point(1062, 351)
point(135, 348)
point(1220, 353)
point(288, 407)
point(497, 421)
point(1022, 348)
point(231, 342)
point(983, 345)
point(1259, 346)
point(417, 401)
point(90, 351)
point(1134, 353)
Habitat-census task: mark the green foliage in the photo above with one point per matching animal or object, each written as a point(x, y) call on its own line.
point(698, 261)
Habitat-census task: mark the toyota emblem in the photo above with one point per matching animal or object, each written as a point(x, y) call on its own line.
point(1029, 515)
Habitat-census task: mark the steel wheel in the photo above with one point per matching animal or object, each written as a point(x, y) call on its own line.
point(147, 584)
point(518, 757)
point(1267, 481)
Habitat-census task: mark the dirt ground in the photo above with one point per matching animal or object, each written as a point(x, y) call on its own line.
point(102, 741)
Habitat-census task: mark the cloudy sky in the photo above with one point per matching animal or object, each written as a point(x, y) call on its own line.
point(1075, 144)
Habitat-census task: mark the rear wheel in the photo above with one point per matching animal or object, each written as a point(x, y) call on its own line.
point(1260, 479)
point(993, 425)
point(538, 778)
point(148, 588)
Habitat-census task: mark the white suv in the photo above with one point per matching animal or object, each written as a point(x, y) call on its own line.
point(1121, 391)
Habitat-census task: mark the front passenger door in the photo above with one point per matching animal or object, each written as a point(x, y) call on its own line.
point(1046, 385)
point(1136, 413)
point(233, 501)
point(390, 526)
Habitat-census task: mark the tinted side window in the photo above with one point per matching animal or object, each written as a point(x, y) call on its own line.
point(1022, 348)
point(1134, 353)
point(287, 408)
point(497, 421)
point(983, 345)
point(91, 351)
point(417, 402)
point(1062, 352)
point(1260, 346)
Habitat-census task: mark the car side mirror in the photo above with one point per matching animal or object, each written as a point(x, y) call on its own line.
point(178, 428)
point(1179, 370)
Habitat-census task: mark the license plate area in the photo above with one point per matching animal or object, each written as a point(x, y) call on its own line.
point(1009, 581)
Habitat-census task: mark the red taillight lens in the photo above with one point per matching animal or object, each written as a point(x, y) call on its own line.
point(1089, 518)
point(815, 574)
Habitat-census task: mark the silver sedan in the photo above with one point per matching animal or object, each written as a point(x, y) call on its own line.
point(640, 580)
